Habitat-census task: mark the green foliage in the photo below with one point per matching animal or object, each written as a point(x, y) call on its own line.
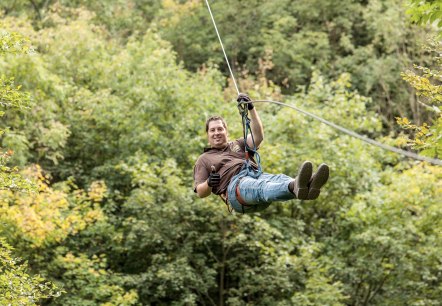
point(210, 256)
point(49, 216)
point(117, 122)
point(13, 42)
point(425, 12)
point(11, 96)
point(371, 40)
point(89, 282)
point(390, 239)
point(10, 178)
point(17, 287)
point(118, 92)
point(427, 138)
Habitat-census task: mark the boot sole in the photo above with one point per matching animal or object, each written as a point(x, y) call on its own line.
point(303, 179)
point(318, 180)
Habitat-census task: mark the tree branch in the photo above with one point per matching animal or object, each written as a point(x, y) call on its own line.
point(378, 288)
point(36, 8)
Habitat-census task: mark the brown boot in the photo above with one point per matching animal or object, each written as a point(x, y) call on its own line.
point(299, 186)
point(318, 180)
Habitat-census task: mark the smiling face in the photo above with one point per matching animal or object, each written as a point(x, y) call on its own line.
point(217, 134)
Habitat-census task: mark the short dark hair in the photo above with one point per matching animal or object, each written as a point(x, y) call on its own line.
point(215, 118)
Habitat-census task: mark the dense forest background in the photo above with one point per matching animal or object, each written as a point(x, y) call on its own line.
point(102, 107)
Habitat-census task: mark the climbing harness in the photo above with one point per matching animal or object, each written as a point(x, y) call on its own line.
point(242, 106)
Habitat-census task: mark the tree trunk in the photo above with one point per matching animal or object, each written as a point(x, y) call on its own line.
point(222, 264)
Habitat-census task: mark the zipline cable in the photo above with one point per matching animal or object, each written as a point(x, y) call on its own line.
point(222, 47)
point(434, 161)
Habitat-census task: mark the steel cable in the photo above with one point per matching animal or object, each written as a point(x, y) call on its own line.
point(222, 47)
point(434, 161)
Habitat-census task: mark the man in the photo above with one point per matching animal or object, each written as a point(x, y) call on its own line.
point(222, 170)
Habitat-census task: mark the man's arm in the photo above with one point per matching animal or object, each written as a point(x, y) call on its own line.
point(255, 122)
point(203, 190)
point(257, 129)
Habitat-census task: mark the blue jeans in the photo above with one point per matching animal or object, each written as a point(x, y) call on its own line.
point(258, 190)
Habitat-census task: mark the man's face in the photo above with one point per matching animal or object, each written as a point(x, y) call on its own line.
point(217, 134)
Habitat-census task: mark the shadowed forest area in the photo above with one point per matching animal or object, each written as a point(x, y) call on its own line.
point(103, 106)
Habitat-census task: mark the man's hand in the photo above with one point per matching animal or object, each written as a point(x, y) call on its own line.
point(214, 178)
point(245, 98)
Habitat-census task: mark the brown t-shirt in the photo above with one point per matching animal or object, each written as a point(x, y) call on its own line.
point(227, 161)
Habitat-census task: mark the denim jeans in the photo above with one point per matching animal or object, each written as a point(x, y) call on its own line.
point(258, 190)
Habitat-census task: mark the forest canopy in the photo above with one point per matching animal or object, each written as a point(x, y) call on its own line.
point(103, 105)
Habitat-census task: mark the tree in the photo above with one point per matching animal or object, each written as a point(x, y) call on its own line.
point(17, 287)
point(387, 245)
point(11, 98)
point(118, 123)
point(425, 80)
point(370, 40)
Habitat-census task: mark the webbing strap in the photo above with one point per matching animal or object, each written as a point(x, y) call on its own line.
point(243, 110)
point(225, 199)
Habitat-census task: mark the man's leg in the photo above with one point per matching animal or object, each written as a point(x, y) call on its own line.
point(265, 189)
point(259, 192)
point(277, 187)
